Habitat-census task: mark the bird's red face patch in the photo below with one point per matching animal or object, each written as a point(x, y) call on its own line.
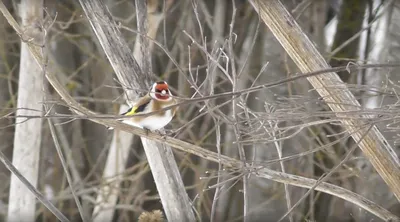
point(162, 91)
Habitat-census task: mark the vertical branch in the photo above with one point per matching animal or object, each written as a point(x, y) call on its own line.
point(117, 51)
point(161, 160)
point(119, 148)
point(376, 51)
point(144, 56)
point(27, 139)
point(112, 175)
point(217, 189)
point(241, 151)
point(15, 172)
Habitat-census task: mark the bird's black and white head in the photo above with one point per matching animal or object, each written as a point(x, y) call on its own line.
point(160, 91)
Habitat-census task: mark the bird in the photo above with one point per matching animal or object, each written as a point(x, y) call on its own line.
point(156, 99)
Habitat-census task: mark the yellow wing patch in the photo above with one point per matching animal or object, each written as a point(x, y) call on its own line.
point(136, 109)
point(131, 111)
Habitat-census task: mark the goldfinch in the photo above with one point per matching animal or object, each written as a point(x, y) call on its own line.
point(158, 98)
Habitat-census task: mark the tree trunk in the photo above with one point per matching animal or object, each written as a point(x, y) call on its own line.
point(27, 139)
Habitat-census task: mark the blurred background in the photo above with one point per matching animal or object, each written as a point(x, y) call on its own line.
point(198, 47)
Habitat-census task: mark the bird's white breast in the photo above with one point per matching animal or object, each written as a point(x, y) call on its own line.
point(153, 122)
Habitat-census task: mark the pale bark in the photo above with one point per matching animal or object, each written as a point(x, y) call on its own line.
point(115, 165)
point(175, 200)
point(378, 51)
point(383, 48)
point(169, 184)
point(119, 149)
point(206, 154)
point(329, 32)
point(262, 203)
point(116, 161)
point(27, 139)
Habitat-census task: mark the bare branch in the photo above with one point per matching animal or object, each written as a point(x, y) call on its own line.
point(125, 66)
point(229, 164)
point(166, 174)
point(331, 88)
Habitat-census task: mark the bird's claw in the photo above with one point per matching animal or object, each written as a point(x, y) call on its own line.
point(163, 135)
point(160, 133)
point(146, 131)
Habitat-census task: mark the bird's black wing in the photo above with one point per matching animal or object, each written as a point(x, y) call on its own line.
point(136, 109)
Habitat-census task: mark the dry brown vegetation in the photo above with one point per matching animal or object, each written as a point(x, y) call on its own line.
point(266, 129)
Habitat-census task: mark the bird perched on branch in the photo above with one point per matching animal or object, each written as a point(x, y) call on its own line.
point(158, 98)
